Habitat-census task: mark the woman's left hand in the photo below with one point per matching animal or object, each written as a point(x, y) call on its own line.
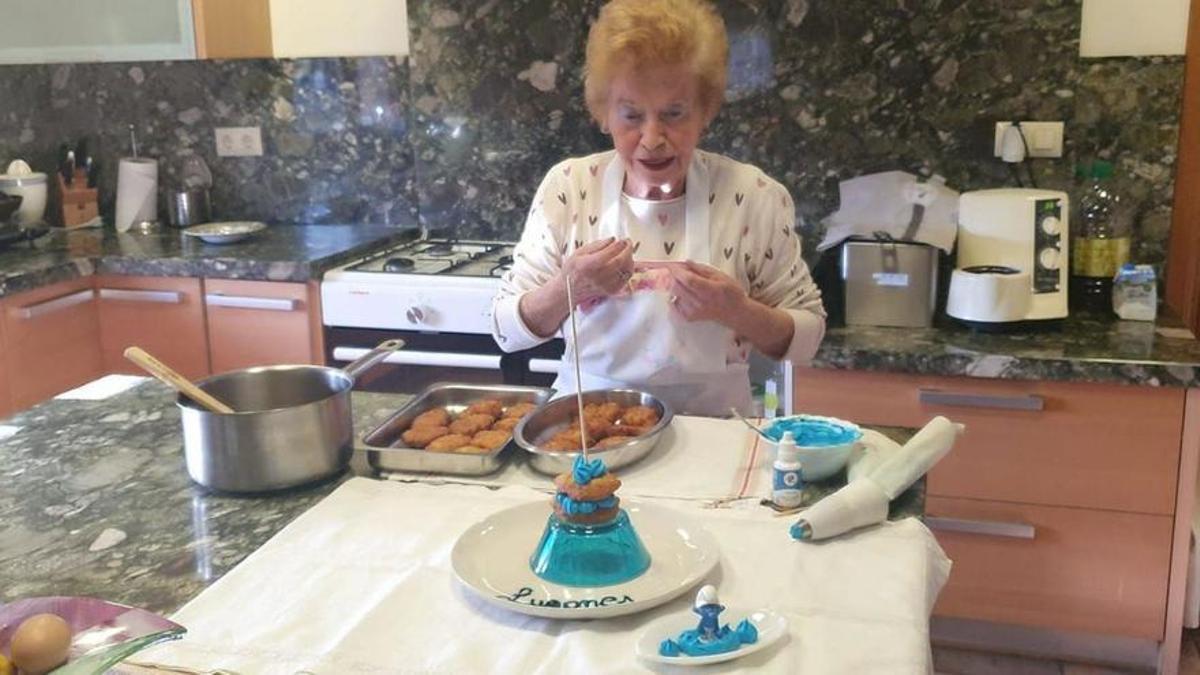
point(703, 293)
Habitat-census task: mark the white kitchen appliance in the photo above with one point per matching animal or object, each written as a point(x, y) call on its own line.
point(435, 294)
point(1013, 258)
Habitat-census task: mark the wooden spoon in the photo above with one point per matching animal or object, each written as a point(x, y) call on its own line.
point(180, 383)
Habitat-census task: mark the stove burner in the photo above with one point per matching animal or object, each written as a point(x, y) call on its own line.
point(440, 249)
point(398, 264)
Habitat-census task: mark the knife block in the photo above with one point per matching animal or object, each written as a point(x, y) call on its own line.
point(79, 203)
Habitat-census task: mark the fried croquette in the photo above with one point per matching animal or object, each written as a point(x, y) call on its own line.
point(631, 430)
point(436, 417)
point(419, 437)
point(560, 443)
point(597, 427)
point(609, 411)
point(506, 424)
point(640, 416)
point(490, 440)
point(449, 443)
point(487, 406)
point(470, 450)
point(519, 410)
point(469, 424)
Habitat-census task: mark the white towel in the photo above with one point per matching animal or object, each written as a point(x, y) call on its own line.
point(865, 500)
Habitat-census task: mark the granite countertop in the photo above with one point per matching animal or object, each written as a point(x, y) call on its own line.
point(95, 500)
point(1084, 350)
point(281, 253)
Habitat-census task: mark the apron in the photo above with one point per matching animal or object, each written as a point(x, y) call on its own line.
point(639, 341)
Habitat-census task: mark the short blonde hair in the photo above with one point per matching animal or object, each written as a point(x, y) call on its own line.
point(652, 33)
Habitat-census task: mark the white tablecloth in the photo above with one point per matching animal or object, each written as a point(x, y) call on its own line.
point(362, 583)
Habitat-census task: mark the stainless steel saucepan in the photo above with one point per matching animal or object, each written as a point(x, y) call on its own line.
point(291, 425)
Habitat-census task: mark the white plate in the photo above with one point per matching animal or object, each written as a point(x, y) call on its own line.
point(492, 559)
point(225, 233)
point(771, 627)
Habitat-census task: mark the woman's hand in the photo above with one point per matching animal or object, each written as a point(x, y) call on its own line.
point(703, 293)
point(599, 269)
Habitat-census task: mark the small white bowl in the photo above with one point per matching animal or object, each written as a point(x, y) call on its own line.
point(819, 462)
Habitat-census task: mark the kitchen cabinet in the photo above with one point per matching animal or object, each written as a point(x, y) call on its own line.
point(52, 341)
point(164, 316)
point(6, 406)
point(299, 28)
point(73, 31)
point(255, 323)
point(1065, 506)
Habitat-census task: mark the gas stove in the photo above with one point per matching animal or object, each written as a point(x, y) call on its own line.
point(431, 285)
point(436, 295)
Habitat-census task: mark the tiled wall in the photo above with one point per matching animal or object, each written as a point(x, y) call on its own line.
point(819, 91)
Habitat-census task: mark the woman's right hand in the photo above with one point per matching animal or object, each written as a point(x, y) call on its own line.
point(599, 269)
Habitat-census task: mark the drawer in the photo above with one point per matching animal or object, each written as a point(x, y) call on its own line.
point(1064, 568)
point(51, 340)
point(1054, 443)
point(163, 315)
point(259, 323)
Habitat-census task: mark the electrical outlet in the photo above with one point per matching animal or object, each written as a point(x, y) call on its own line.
point(239, 142)
point(1045, 139)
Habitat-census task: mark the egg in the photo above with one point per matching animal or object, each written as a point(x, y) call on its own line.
point(40, 644)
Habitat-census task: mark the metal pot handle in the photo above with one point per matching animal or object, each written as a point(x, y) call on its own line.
point(372, 358)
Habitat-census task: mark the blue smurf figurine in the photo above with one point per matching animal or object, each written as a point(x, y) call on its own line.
point(709, 609)
point(709, 636)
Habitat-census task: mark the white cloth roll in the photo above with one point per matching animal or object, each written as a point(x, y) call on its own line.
point(137, 192)
point(856, 505)
point(917, 457)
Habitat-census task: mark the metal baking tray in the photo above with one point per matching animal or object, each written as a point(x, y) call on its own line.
point(454, 398)
point(551, 418)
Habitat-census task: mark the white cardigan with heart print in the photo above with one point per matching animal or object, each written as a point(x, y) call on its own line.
point(752, 238)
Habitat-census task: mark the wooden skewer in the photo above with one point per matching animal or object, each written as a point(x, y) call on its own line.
point(180, 383)
point(578, 377)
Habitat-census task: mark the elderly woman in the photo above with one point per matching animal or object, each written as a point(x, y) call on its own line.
point(679, 260)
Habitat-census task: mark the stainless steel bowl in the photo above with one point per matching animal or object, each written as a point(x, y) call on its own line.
point(549, 419)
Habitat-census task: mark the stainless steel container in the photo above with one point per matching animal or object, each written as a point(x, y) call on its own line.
point(293, 425)
point(189, 207)
point(535, 430)
point(384, 455)
point(889, 283)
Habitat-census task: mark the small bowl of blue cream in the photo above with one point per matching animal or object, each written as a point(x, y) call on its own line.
point(823, 444)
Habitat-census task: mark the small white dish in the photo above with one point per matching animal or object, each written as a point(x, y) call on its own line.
point(771, 627)
point(492, 560)
point(226, 232)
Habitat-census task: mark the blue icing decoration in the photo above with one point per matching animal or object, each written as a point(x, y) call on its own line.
point(812, 433)
point(584, 471)
point(701, 642)
point(747, 632)
point(578, 507)
point(668, 647)
point(797, 531)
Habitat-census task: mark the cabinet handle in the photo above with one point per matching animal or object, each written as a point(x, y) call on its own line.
point(128, 295)
point(991, 528)
point(543, 366)
point(939, 397)
point(248, 302)
point(61, 302)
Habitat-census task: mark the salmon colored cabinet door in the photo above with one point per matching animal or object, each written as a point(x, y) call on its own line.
point(164, 316)
point(259, 323)
point(1070, 569)
point(52, 340)
point(6, 406)
point(1062, 444)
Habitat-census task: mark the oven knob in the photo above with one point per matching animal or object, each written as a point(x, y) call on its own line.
point(1048, 258)
point(1051, 225)
point(415, 315)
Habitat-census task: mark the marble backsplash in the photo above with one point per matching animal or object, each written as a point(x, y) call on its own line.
point(335, 131)
point(460, 134)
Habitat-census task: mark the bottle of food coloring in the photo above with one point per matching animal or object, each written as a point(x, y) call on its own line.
point(787, 484)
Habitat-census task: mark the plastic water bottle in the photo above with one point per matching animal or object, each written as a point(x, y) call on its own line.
point(1102, 226)
point(787, 484)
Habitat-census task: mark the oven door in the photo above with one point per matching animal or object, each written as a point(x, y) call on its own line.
point(429, 358)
